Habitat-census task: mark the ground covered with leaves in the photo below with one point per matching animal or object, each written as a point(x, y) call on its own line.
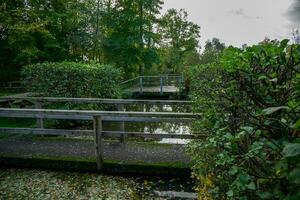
point(36, 184)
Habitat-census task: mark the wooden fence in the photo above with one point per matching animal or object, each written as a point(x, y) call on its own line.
point(119, 103)
point(97, 117)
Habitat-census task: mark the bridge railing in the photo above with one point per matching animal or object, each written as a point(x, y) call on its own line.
point(93, 100)
point(12, 86)
point(161, 81)
point(131, 83)
point(97, 117)
point(40, 102)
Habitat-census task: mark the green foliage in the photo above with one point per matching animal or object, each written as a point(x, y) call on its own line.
point(130, 34)
point(212, 51)
point(179, 39)
point(69, 79)
point(37, 31)
point(251, 110)
point(130, 40)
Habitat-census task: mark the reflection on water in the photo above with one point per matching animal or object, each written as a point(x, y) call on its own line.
point(143, 127)
point(155, 128)
point(183, 108)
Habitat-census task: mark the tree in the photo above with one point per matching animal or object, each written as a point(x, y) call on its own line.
point(131, 37)
point(49, 30)
point(127, 33)
point(212, 51)
point(178, 36)
point(25, 37)
point(191, 58)
point(148, 17)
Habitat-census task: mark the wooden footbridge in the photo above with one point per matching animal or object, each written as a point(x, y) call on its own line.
point(98, 117)
point(163, 84)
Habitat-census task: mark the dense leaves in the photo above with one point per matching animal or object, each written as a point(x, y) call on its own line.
point(72, 80)
point(130, 40)
point(212, 51)
point(37, 31)
point(251, 110)
point(179, 37)
point(124, 33)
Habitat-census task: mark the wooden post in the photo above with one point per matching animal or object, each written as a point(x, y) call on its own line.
point(39, 121)
point(98, 142)
point(181, 84)
point(122, 124)
point(142, 107)
point(147, 107)
point(161, 86)
point(141, 85)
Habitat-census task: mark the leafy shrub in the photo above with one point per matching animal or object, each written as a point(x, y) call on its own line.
point(75, 80)
point(251, 110)
point(70, 79)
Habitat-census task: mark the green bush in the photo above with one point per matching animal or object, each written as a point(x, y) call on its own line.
point(68, 79)
point(251, 115)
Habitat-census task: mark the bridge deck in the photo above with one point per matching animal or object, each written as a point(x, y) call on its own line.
point(132, 152)
point(166, 89)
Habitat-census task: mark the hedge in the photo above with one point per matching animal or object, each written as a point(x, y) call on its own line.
point(69, 79)
point(250, 105)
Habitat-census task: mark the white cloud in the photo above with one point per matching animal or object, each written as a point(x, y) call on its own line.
point(238, 21)
point(242, 13)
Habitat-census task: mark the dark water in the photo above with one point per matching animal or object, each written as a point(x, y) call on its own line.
point(143, 127)
point(155, 128)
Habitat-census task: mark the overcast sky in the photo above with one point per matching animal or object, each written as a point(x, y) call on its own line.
point(237, 22)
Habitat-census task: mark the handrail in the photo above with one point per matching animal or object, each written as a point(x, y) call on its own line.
point(63, 132)
point(164, 81)
point(171, 74)
point(98, 117)
point(174, 76)
point(11, 85)
point(160, 76)
point(94, 100)
point(88, 115)
point(130, 80)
